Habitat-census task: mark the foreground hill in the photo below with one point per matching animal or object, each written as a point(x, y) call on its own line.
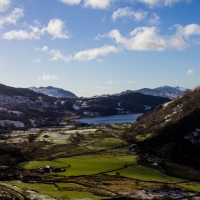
point(54, 92)
point(172, 131)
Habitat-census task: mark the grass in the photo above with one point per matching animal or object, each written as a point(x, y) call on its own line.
point(93, 164)
point(105, 143)
point(121, 126)
point(147, 174)
point(141, 138)
point(191, 186)
point(85, 165)
point(49, 189)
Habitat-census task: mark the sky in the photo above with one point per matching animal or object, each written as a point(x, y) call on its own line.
point(94, 47)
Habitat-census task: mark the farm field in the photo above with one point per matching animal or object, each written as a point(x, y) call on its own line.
point(96, 164)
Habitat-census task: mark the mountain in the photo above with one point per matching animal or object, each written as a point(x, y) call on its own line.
point(54, 92)
point(134, 102)
point(23, 108)
point(171, 134)
point(165, 91)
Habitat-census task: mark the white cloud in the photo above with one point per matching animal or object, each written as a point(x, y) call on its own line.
point(20, 35)
point(97, 4)
point(90, 54)
point(38, 60)
point(104, 4)
point(128, 12)
point(4, 4)
point(102, 88)
point(59, 56)
point(153, 3)
point(189, 30)
point(109, 82)
point(13, 17)
point(100, 60)
point(47, 77)
point(155, 19)
point(44, 49)
point(56, 28)
point(99, 36)
point(130, 82)
point(147, 38)
point(190, 72)
point(71, 2)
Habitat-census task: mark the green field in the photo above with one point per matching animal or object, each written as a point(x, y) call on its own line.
point(105, 143)
point(49, 189)
point(85, 165)
point(147, 174)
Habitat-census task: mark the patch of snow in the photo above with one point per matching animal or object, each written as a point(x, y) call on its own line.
point(33, 122)
point(166, 104)
point(196, 88)
point(147, 107)
point(84, 105)
point(75, 107)
point(62, 102)
point(17, 113)
point(17, 124)
point(86, 113)
point(120, 107)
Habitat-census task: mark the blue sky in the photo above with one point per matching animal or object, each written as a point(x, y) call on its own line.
point(93, 47)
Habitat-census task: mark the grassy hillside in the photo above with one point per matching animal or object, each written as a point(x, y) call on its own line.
point(171, 132)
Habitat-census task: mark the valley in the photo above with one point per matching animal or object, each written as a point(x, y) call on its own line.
point(46, 154)
point(96, 163)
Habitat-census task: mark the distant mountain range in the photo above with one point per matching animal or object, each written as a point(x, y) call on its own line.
point(54, 92)
point(164, 91)
point(45, 106)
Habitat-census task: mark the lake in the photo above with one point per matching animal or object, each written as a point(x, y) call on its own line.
point(119, 119)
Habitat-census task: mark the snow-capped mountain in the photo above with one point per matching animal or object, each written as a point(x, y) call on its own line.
point(54, 92)
point(165, 91)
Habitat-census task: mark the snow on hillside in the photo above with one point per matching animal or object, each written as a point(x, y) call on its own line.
point(54, 92)
point(16, 124)
point(163, 91)
point(17, 113)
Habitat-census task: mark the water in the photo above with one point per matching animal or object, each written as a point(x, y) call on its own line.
point(119, 119)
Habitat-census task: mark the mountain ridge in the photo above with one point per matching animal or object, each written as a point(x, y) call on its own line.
point(162, 91)
point(54, 92)
point(172, 132)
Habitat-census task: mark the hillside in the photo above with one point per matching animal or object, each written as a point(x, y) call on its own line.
point(54, 92)
point(22, 108)
point(172, 132)
point(127, 103)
